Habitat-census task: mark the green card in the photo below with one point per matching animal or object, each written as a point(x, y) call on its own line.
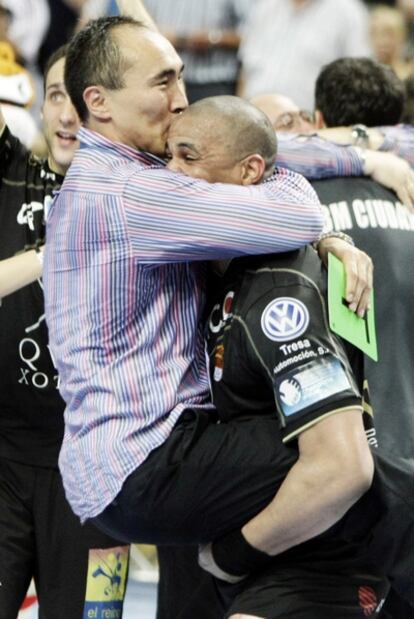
point(359, 331)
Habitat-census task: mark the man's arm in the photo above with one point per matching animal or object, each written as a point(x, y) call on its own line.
point(316, 158)
point(316, 398)
point(334, 469)
point(2, 122)
point(19, 271)
point(398, 140)
point(203, 221)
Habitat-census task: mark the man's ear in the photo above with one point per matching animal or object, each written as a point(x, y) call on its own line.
point(252, 169)
point(97, 103)
point(319, 120)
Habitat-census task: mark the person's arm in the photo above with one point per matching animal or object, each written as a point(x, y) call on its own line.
point(19, 271)
point(2, 122)
point(398, 140)
point(334, 469)
point(317, 158)
point(318, 403)
point(176, 218)
point(359, 271)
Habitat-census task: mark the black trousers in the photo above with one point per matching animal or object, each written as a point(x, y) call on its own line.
point(333, 586)
point(40, 537)
point(209, 478)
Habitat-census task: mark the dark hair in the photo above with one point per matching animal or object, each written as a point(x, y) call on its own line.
point(408, 113)
point(94, 58)
point(59, 53)
point(359, 90)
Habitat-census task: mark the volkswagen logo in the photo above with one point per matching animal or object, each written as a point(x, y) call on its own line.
point(284, 319)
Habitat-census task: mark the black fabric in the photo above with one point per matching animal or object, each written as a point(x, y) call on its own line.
point(269, 340)
point(384, 228)
point(31, 409)
point(185, 591)
point(233, 554)
point(314, 593)
point(40, 536)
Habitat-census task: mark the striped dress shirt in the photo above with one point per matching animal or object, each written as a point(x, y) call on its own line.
point(123, 283)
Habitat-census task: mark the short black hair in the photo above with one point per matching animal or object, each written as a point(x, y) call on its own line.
point(359, 90)
point(408, 113)
point(94, 58)
point(59, 53)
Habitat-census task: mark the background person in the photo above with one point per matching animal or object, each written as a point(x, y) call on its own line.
point(381, 225)
point(39, 535)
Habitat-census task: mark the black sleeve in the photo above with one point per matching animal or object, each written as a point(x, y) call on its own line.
point(306, 364)
point(12, 153)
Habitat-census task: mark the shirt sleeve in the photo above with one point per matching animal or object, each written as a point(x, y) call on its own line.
point(317, 158)
point(171, 217)
point(400, 141)
point(306, 364)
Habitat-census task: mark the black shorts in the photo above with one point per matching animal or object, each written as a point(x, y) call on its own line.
point(40, 537)
point(324, 582)
point(207, 479)
point(341, 587)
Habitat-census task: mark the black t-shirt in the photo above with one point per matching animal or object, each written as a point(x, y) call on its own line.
point(31, 409)
point(384, 228)
point(270, 346)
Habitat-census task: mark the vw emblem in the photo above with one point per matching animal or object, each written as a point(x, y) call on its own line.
point(284, 319)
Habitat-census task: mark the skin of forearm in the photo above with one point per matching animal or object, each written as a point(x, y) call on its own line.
point(316, 493)
point(19, 271)
point(343, 135)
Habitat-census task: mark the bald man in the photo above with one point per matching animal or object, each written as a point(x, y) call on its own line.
point(293, 370)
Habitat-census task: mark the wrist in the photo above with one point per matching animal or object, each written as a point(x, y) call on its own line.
point(333, 234)
point(232, 558)
point(360, 136)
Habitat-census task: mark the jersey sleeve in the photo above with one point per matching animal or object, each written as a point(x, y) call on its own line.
point(306, 364)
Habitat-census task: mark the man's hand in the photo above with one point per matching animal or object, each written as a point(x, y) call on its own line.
point(392, 172)
point(359, 271)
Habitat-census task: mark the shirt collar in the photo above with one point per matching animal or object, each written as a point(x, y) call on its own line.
point(90, 138)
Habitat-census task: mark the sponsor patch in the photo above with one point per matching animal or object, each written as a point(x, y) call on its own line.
point(218, 363)
point(368, 600)
point(106, 582)
point(308, 384)
point(284, 319)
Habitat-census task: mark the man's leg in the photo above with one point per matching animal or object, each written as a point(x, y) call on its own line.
point(207, 479)
point(343, 586)
point(16, 536)
point(185, 591)
point(79, 570)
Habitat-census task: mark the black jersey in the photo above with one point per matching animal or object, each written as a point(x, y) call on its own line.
point(31, 409)
point(270, 346)
point(384, 228)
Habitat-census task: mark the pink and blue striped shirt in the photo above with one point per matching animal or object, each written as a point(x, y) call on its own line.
point(123, 281)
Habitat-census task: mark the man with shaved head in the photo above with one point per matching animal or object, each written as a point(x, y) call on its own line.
point(256, 367)
point(259, 368)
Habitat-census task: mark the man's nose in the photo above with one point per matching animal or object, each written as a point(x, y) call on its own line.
point(179, 100)
point(174, 166)
point(68, 114)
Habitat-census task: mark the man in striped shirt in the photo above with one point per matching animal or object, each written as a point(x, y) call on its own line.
point(124, 303)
